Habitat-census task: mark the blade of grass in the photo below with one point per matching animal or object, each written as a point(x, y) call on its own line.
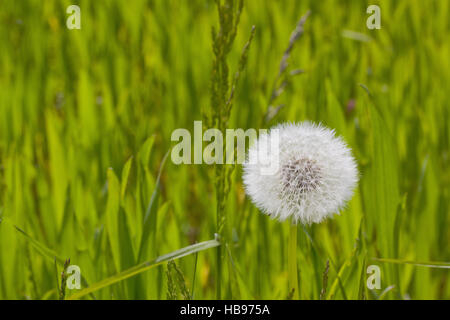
point(194, 276)
point(145, 266)
point(49, 253)
point(380, 182)
point(112, 216)
point(427, 264)
point(46, 252)
point(362, 282)
point(149, 226)
point(125, 175)
point(58, 292)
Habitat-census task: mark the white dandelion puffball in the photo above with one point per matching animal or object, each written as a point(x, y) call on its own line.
point(315, 173)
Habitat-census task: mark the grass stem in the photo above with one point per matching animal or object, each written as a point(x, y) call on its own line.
point(292, 262)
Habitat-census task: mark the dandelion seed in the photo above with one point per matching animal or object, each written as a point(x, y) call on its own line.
point(316, 174)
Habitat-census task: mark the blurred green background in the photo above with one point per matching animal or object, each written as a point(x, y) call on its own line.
point(86, 118)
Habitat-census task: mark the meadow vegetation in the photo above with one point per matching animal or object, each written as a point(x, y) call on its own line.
point(86, 118)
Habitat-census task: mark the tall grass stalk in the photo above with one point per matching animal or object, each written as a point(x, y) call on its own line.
point(292, 263)
point(222, 95)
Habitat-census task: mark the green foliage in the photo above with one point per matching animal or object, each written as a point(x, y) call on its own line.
point(85, 127)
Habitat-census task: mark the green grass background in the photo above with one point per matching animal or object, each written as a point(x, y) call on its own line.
point(86, 118)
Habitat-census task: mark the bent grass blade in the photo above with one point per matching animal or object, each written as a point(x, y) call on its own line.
point(150, 214)
point(46, 252)
point(145, 266)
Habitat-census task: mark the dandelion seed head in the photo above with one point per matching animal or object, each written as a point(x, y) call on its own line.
point(315, 176)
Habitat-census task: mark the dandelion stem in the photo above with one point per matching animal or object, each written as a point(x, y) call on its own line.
point(292, 262)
